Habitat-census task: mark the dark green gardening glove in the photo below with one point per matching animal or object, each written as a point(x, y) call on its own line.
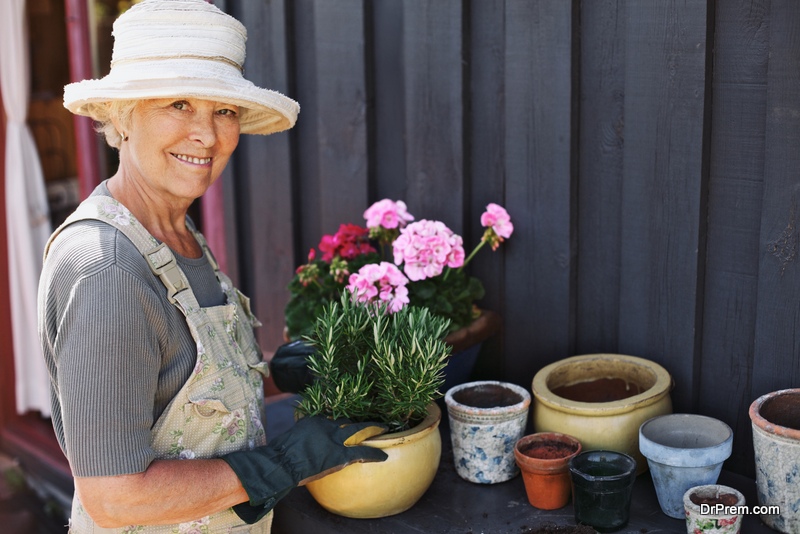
point(312, 448)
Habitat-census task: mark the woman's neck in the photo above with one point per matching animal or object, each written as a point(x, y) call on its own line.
point(164, 219)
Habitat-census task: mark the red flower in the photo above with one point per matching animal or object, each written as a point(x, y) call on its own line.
point(350, 241)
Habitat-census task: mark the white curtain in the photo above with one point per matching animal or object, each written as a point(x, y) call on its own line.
point(27, 215)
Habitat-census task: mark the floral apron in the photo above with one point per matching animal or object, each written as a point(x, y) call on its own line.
point(220, 408)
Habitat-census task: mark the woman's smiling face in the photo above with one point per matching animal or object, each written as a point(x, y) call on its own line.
point(177, 148)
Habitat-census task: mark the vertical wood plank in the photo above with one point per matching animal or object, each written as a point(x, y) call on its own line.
point(734, 217)
point(662, 191)
point(433, 120)
point(539, 184)
point(388, 135)
point(262, 172)
point(602, 123)
point(485, 127)
point(777, 346)
point(333, 139)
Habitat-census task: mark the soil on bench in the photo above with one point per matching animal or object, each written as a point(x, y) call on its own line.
point(579, 529)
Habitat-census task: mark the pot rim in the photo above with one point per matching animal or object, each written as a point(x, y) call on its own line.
point(767, 426)
point(689, 505)
point(609, 478)
point(521, 406)
point(546, 464)
point(661, 388)
point(662, 453)
point(425, 427)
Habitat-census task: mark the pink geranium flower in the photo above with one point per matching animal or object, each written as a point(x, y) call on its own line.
point(380, 283)
point(425, 248)
point(498, 218)
point(387, 214)
point(498, 225)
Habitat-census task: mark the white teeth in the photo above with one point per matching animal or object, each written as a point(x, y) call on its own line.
point(190, 159)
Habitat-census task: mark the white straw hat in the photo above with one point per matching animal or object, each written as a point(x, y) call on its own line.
point(182, 48)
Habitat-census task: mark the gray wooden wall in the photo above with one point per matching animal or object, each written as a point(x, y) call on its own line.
point(647, 151)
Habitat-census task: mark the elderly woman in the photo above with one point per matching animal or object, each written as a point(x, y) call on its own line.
point(156, 376)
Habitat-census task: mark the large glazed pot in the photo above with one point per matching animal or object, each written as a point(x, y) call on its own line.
point(775, 419)
point(381, 489)
point(602, 400)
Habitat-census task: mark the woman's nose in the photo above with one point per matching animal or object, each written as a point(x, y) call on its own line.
point(203, 129)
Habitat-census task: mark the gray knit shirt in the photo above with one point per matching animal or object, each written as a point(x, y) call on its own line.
point(117, 351)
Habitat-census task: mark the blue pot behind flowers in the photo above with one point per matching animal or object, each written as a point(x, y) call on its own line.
point(459, 367)
point(683, 451)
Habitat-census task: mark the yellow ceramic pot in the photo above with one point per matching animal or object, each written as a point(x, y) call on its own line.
point(380, 489)
point(601, 399)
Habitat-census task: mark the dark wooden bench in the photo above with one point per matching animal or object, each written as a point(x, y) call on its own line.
point(452, 505)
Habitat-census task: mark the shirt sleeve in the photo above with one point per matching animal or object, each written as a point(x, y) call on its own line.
point(108, 367)
point(117, 350)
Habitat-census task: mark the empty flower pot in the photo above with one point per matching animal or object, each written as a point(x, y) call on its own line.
point(713, 509)
point(543, 460)
point(601, 399)
point(775, 418)
point(486, 419)
point(602, 484)
point(683, 451)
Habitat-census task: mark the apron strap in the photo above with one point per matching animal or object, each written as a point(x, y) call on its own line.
point(159, 257)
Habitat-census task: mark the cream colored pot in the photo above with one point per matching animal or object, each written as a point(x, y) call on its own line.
point(581, 397)
point(381, 489)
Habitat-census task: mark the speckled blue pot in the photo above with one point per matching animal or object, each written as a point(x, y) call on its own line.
point(486, 420)
point(775, 419)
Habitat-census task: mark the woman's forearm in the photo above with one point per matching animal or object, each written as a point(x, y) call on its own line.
point(169, 491)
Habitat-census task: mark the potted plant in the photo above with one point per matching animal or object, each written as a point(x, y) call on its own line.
point(373, 365)
point(430, 263)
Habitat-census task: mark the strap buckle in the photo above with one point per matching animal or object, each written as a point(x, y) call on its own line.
point(169, 272)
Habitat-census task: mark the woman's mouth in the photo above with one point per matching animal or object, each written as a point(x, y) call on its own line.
point(191, 159)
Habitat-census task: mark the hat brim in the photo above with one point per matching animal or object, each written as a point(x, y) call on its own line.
point(262, 111)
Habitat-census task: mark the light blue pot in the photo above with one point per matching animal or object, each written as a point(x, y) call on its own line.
point(683, 451)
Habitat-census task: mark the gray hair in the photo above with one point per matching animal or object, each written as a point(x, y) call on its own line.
point(115, 109)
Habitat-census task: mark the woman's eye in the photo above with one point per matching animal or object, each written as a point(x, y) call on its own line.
point(180, 104)
point(228, 112)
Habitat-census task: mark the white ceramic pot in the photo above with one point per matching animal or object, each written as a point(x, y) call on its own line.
point(775, 419)
point(486, 419)
point(713, 509)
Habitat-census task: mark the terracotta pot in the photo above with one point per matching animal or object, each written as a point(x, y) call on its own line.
point(775, 419)
point(602, 400)
point(543, 460)
point(380, 489)
point(713, 509)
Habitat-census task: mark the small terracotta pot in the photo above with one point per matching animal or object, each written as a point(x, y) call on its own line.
point(543, 459)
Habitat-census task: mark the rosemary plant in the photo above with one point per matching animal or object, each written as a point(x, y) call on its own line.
point(373, 366)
